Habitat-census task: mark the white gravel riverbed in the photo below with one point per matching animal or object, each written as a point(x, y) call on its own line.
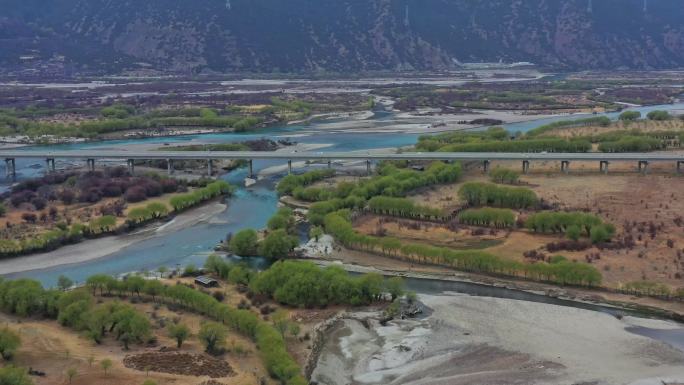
point(483, 340)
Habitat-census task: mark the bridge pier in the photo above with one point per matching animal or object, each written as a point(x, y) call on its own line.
point(603, 166)
point(91, 164)
point(525, 166)
point(251, 169)
point(565, 166)
point(368, 167)
point(169, 167)
point(210, 167)
point(50, 164)
point(131, 166)
point(289, 167)
point(643, 167)
point(329, 163)
point(10, 168)
point(485, 166)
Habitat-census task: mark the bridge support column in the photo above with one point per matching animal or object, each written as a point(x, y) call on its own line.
point(485, 166)
point(565, 166)
point(368, 167)
point(289, 167)
point(329, 163)
point(603, 166)
point(679, 166)
point(50, 164)
point(91, 164)
point(131, 166)
point(525, 166)
point(169, 166)
point(643, 166)
point(210, 167)
point(251, 169)
point(10, 169)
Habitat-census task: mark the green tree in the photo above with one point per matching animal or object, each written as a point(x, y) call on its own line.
point(9, 343)
point(64, 283)
point(179, 332)
point(295, 329)
point(71, 373)
point(395, 287)
point(658, 115)
point(106, 364)
point(135, 284)
point(573, 232)
point(630, 115)
point(213, 336)
point(599, 234)
point(153, 288)
point(158, 209)
point(139, 214)
point(244, 243)
point(316, 232)
point(278, 244)
point(281, 321)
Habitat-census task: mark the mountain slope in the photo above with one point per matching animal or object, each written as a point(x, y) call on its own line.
point(339, 35)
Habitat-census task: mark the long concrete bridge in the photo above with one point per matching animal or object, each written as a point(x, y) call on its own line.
point(91, 156)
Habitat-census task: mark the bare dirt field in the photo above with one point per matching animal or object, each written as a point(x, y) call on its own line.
point(647, 208)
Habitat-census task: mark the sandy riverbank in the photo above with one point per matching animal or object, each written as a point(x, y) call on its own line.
point(483, 340)
point(98, 248)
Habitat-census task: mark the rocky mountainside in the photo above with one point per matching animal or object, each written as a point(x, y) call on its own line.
point(337, 35)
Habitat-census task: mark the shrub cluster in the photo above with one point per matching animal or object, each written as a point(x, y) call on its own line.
point(338, 225)
point(290, 182)
point(659, 115)
point(522, 145)
point(392, 182)
point(632, 144)
point(402, 207)
point(504, 175)
point(490, 217)
point(91, 187)
point(212, 190)
point(573, 224)
point(307, 285)
point(598, 120)
point(651, 288)
point(75, 309)
point(486, 194)
point(630, 115)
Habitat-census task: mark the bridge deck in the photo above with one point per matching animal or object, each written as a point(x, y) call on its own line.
point(206, 155)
